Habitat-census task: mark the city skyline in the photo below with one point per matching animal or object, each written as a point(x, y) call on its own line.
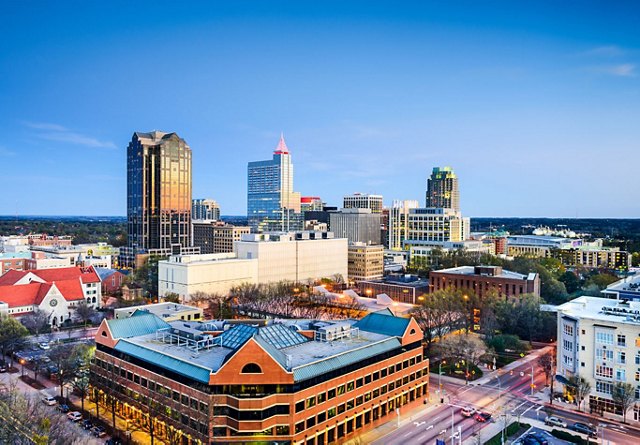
point(535, 107)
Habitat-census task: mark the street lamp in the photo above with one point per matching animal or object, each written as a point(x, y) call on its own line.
point(440, 379)
point(22, 366)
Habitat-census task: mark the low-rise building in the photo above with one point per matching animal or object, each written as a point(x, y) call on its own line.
point(111, 279)
point(628, 289)
point(295, 381)
point(599, 340)
point(13, 260)
point(258, 258)
point(365, 262)
point(166, 311)
point(54, 291)
point(482, 279)
point(401, 288)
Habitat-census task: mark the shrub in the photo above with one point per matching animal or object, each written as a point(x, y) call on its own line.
point(563, 435)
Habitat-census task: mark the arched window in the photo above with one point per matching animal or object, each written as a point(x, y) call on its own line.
point(104, 333)
point(93, 300)
point(412, 331)
point(251, 368)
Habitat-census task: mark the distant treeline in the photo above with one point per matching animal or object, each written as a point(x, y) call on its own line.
point(623, 233)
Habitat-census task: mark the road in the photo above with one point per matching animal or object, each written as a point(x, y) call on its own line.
point(507, 397)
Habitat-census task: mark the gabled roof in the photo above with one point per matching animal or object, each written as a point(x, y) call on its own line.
point(35, 292)
point(86, 274)
point(385, 324)
point(24, 295)
point(134, 326)
point(105, 273)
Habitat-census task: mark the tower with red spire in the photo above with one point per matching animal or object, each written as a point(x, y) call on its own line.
point(272, 205)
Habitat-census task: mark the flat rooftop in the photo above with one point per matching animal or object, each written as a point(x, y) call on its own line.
point(602, 309)
point(191, 349)
point(401, 280)
point(471, 270)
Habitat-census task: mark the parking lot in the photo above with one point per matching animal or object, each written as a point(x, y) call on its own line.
point(538, 436)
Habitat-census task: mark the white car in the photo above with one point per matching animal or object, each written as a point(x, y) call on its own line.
point(74, 416)
point(49, 400)
point(468, 411)
point(44, 345)
point(555, 421)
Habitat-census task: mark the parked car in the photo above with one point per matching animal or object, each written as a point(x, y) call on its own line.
point(3, 366)
point(585, 429)
point(555, 421)
point(482, 416)
point(44, 345)
point(49, 400)
point(468, 411)
point(538, 437)
point(113, 441)
point(74, 416)
point(64, 408)
point(99, 431)
point(529, 440)
point(87, 424)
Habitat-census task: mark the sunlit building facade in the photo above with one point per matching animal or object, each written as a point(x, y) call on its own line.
point(442, 189)
point(158, 195)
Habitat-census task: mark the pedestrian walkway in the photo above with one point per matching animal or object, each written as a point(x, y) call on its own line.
point(381, 431)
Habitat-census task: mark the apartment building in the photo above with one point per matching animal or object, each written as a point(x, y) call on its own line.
point(365, 262)
point(599, 340)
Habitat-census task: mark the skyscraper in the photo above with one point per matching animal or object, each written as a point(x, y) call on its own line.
point(442, 189)
point(272, 205)
point(158, 196)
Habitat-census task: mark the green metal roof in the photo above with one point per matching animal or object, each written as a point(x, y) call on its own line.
point(141, 324)
point(311, 370)
point(165, 361)
point(382, 323)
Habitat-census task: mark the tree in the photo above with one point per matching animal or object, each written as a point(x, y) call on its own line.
point(579, 388)
point(467, 350)
point(84, 312)
point(37, 322)
point(81, 386)
point(571, 282)
point(12, 334)
point(171, 297)
point(64, 360)
point(624, 394)
point(548, 364)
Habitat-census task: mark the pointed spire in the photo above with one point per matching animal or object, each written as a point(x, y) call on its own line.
point(281, 149)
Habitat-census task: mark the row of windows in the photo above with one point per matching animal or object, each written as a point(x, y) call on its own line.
point(369, 378)
point(332, 393)
point(155, 407)
point(335, 433)
point(153, 386)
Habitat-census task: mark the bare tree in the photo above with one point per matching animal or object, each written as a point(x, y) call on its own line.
point(624, 394)
point(84, 312)
point(580, 388)
point(37, 322)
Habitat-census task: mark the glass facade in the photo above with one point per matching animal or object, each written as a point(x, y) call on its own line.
point(272, 205)
point(158, 193)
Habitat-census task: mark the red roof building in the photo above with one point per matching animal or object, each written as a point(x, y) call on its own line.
point(56, 291)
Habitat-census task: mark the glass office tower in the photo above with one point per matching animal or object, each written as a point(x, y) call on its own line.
point(272, 205)
point(442, 189)
point(158, 195)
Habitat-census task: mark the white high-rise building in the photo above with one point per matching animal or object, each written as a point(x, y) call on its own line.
point(363, 201)
point(399, 222)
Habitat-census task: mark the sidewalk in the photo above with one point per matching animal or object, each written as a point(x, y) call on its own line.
point(533, 355)
point(381, 431)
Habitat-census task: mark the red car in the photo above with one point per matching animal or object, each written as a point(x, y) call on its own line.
point(482, 416)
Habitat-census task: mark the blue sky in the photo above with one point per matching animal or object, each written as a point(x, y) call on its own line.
point(536, 107)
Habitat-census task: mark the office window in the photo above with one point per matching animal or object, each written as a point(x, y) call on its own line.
point(621, 375)
point(622, 358)
point(622, 340)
